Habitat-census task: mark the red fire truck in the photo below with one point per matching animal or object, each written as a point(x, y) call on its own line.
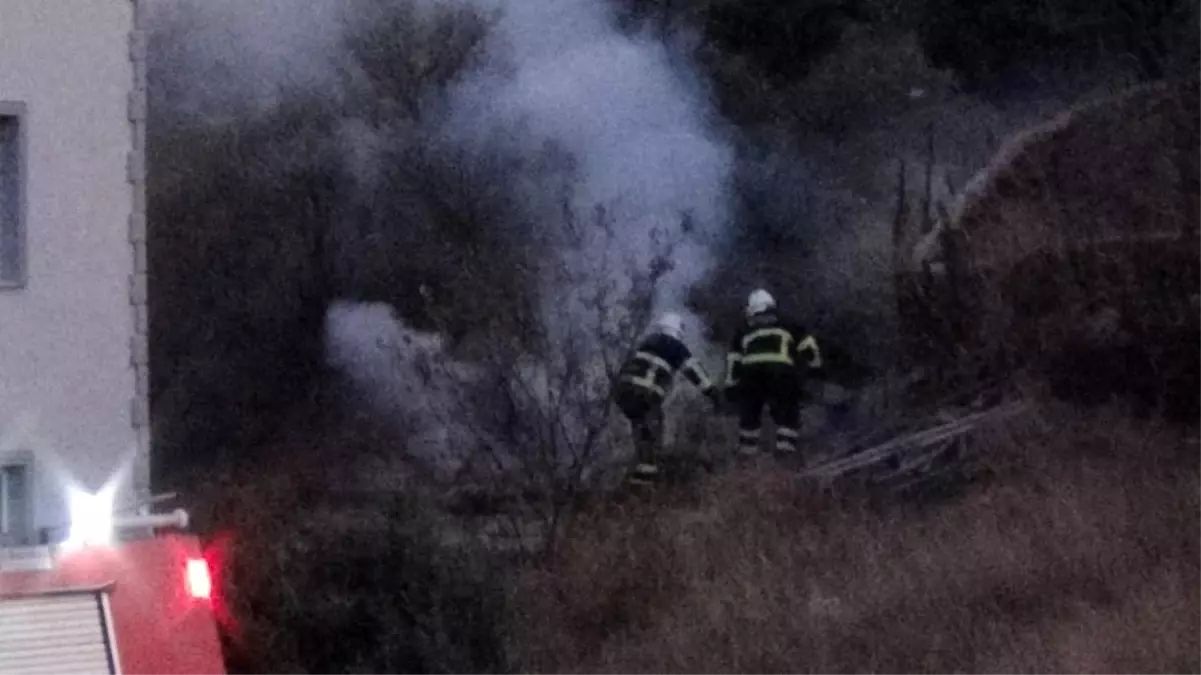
point(129, 605)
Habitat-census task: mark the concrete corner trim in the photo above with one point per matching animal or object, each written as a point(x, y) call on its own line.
point(138, 297)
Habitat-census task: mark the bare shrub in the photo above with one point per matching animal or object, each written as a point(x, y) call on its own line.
point(521, 415)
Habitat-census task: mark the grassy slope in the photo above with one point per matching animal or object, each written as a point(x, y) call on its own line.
point(1082, 556)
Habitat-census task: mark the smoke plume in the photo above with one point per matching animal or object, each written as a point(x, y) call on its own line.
point(225, 58)
point(638, 127)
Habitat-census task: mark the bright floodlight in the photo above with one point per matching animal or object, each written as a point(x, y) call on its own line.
point(91, 518)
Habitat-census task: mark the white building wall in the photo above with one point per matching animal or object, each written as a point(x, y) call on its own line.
point(72, 336)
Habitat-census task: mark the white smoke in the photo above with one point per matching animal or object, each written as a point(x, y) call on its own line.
point(635, 122)
point(241, 56)
point(406, 375)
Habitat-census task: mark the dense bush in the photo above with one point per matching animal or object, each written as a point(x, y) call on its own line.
point(315, 580)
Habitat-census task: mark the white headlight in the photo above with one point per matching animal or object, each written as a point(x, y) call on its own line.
point(91, 518)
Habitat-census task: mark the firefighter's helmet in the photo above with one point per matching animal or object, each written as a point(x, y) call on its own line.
point(759, 301)
point(671, 324)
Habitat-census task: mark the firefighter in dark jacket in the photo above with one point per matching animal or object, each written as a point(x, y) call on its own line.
point(762, 371)
point(643, 384)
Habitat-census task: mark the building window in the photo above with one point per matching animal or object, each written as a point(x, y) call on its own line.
point(15, 505)
point(12, 194)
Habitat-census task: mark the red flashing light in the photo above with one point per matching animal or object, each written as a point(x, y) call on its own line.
point(200, 582)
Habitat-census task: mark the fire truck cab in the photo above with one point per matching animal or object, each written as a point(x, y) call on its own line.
point(141, 605)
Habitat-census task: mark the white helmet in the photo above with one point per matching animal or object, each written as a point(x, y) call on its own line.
point(759, 301)
point(671, 324)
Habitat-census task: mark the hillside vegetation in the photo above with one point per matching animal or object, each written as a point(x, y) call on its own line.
point(1074, 252)
point(1082, 556)
point(267, 203)
point(430, 225)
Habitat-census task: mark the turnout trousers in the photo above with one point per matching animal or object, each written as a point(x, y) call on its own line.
point(778, 388)
point(644, 409)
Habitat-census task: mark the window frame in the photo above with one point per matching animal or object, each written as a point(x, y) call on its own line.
point(19, 111)
point(28, 535)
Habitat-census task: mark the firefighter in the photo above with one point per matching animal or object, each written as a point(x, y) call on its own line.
point(763, 371)
point(643, 384)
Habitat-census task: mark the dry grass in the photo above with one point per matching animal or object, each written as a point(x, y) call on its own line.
point(1081, 557)
point(1077, 255)
point(1120, 168)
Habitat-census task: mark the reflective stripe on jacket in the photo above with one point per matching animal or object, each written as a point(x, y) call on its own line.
point(656, 361)
point(768, 339)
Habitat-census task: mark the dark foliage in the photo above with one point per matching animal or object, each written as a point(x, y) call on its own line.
point(239, 277)
point(356, 587)
point(782, 38)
